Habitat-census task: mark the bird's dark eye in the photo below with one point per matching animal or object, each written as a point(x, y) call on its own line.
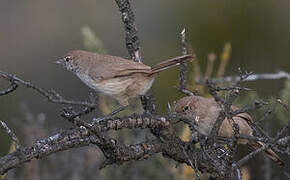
point(185, 108)
point(67, 58)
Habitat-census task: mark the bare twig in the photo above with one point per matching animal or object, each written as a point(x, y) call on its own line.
point(226, 103)
point(285, 106)
point(242, 161)
point(52, 96)
point(183, 66)
point(11, 134)
point(132, 40)
point(228, 88)
point(10, 89)
point(267, 145)
point(252, 77)
point(238, 171)
point(193, 166)
point(266, 114)
point(187, 92)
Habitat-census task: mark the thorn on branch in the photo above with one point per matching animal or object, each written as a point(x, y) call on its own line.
point(11, 134)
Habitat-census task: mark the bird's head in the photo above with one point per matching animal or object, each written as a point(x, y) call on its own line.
point(73, 60)
point(186, 106)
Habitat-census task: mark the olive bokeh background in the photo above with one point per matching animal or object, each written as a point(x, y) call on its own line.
point(33, 34)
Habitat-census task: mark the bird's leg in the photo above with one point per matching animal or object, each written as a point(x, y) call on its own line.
point(109, 116)
point(116, 111)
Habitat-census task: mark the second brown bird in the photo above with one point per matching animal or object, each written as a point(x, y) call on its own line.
point(204, 112)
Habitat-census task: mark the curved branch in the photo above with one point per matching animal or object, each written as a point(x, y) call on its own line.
point(60, 142)
point(52, 96)
point(79, 137)
point(10, 89)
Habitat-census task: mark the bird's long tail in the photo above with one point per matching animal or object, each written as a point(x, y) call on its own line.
point(171, 63)
point(269, 152)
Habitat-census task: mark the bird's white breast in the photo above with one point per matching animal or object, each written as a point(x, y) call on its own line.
point(132, 86)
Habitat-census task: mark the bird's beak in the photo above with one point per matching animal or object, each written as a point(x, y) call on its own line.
point(59, 61)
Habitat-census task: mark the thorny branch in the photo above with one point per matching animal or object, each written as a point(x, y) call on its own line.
point(225, 103)
point(82, 136)
point(227, 112)
point(166, 141)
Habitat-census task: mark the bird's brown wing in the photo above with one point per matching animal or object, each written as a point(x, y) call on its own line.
point(113, 66)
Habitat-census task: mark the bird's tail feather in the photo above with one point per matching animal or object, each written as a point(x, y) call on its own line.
point(171, 63)
point(269, 152)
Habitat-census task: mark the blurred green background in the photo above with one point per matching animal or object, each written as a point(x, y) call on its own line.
point(34, 33)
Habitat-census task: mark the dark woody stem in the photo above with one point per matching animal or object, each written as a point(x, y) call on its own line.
point(132, 40)
point(133, 46)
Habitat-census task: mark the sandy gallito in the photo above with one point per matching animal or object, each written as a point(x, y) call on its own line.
point(204, 112)
point(114, 76)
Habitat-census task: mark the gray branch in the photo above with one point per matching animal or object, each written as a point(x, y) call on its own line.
point(51, 95)
point(252, 77)
point(132, 40)
point(11, 134)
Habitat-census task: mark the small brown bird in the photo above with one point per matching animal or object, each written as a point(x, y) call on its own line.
point(115, 76)
point(204, 112)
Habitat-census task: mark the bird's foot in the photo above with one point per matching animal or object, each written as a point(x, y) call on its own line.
point(109, 116)
point(120, 109)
